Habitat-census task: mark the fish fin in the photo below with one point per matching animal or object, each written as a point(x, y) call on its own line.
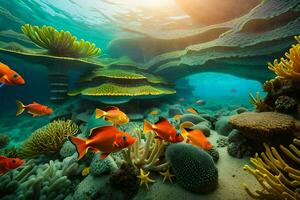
point(147, 127)
point(95, 131)
point(104, 155)
point(20, 108)
point(5, 78)
point(158, 137)
point(81, 146)
point(111, 108)
point(33, 114)
point(2, 84)
point(100, 113)
point(95, 150)
point(192, 110)
point(185, 128)
point(163, 121)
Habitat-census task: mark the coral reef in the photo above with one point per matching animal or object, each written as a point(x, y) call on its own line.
point(285, 104)
point(4, 140)
point(67, 149)
point(194, 168)
point(277, 172)
point(48, 139)
point(125, 179)
point(44, 181)
point(99, 167)
point(263, 125)
point(288, 67)
point(146, 154)
point(59, 43)
point(259, 104)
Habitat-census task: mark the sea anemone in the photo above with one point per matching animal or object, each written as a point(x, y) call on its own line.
point(60, 43)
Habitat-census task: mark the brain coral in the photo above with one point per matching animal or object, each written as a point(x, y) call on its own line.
point(264, 124)
point(48, 139)
point(194, 168)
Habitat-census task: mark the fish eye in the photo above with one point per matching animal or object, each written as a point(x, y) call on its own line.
point(124, 138)
point(13, 161)
point(15, 76)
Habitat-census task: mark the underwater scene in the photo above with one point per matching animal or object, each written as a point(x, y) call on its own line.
point(149, 99)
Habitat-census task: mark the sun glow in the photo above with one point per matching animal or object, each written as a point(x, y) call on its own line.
point(146, 3)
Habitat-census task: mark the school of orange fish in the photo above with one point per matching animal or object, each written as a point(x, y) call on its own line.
point(105, 139)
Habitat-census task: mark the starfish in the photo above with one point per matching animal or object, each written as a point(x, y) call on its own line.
point(167, 175)
point(145, 178)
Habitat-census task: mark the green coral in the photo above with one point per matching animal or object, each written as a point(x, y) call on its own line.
point(60, 43)
point(113, 73)
point(48, 139)
point(193, 167)
point(110, 89)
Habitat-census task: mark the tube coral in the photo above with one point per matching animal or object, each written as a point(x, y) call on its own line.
point(277, 175)
point(60, 43)
point(288, 67)
point(48, 139)
point(146, 154)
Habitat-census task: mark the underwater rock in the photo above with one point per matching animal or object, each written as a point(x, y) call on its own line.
point(89, 187)
point(125, 179)
point(236, 136)
point(100, 167)
point(68, 149)
point(232, 9)
point(223, 127)
point(195, 119)
point(285, 104)
point(238, 145)
point(194, 168)
point(4, 140)
point(208, 117)
point(263, 125)
point(214, 153)
point(136, 117)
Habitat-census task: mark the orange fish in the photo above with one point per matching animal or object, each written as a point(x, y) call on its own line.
point(154, 112)
point(105, 139)
point(177, 117)
point(192, 110)
point(164, 130)
point(7, 164)
point(194, 136)
point(35, 109)
point(113, 114)
point(9, 76)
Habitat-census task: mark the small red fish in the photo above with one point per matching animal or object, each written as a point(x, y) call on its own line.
point(105, 139)
point(35, 109)
point(7, 164)
point(164, 130)
point(113, 114)
point(194, 136)
point(192, 110)
point(9, 76)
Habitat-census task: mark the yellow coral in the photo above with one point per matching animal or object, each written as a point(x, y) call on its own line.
point(48, 139)
point(288, 67)
point(145, 178)
point(279, 179)
point(146, 154)
point(258, 103)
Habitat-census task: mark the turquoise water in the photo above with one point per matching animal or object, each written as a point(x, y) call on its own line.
point(161, 62)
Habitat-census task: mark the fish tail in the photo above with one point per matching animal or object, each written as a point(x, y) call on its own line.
point(20, 108)
point(99, 113)
point(147, 127)
point(81, 146)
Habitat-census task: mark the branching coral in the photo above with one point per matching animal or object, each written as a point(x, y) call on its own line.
point(278, 177)
point(59, 43)
point(288, 67)
point(146, 154)
point(259, 104)
point(48, 139)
